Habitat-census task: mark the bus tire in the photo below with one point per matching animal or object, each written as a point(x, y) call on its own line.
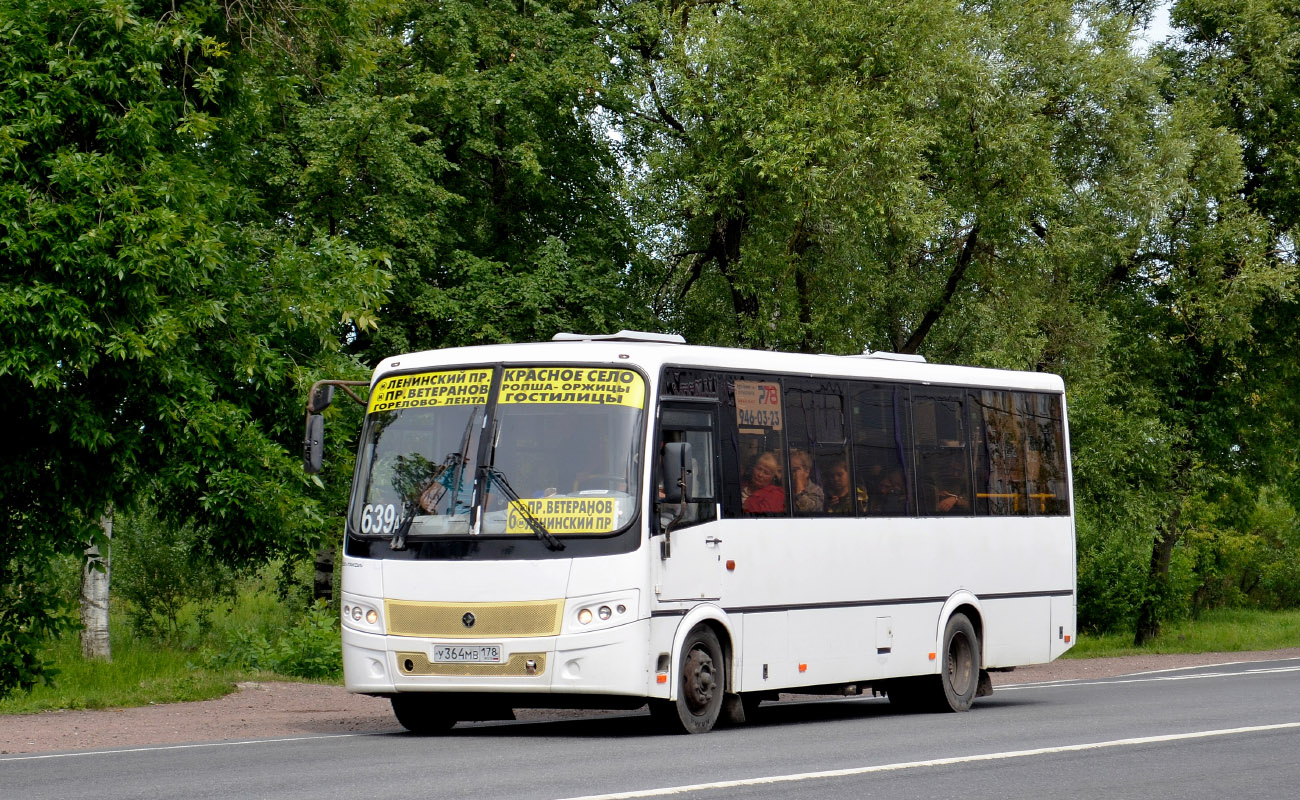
point(423, 715)
point(701, 684)
point(959, 671)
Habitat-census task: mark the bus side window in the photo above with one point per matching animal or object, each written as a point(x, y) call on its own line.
point(943, 482)
point(755, 405)
point(998, 445)
point(1045, 454)
point(818, 436)
point(882, 451)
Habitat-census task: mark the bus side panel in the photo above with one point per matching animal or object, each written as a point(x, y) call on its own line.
point(1006, 622)
point(1063, 623)
point(765, 653)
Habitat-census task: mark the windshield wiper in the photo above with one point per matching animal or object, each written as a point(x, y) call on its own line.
point(533, 522)
point(490, 471)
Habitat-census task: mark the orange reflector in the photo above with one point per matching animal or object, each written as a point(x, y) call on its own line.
point(731, 565)
point(932, 656)
point(1067, 638)
point(661, 678)
point(803, 667)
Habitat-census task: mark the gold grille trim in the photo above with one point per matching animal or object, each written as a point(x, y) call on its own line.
point(517, 666)
point(491, 620)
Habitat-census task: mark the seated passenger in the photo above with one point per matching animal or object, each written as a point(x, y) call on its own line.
point(946, 489)
point(889, 498)
point(840, 494)
point(760, 492)
point(808, 496)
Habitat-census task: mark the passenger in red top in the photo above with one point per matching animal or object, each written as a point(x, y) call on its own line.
point(760, 492)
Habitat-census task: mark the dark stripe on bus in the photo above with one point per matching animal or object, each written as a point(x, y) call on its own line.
point(901, 601)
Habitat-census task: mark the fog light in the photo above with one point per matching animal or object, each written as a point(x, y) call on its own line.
point(372, 616)
point(356, 613)
point(584, 616)
point(605, 612)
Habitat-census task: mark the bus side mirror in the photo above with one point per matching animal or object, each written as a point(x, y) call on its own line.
point(320, 399)
point(313, 443)
point(674, 472)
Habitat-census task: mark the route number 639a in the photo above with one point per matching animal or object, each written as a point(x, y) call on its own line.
point(378, 518)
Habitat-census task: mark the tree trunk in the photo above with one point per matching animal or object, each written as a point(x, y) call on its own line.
point(323, 586)
point(94, 595)
point(1153, 601)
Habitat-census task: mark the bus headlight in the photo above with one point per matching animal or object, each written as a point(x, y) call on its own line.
point(362, 616)
point(604, 611)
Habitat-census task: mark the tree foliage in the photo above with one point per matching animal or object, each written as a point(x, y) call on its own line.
point(470, 148)
point(156, 323)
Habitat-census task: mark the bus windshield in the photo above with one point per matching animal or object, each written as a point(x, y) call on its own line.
point(565, 451)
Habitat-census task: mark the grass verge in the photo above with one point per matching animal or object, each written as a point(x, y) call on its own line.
point(139, 674)
point(1223, 631)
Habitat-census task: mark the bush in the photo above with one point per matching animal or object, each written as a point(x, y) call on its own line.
point(168, 578)
point(306, 646)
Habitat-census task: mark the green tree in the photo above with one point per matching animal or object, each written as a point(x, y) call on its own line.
point(157, 324)
point(470, 147)
point(908, 176)
point(1211, 296)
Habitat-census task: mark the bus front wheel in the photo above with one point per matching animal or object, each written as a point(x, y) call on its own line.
point(423, 714)
point(701, 684)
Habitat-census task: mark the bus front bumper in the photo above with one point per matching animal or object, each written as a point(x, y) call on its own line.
point(613, 661)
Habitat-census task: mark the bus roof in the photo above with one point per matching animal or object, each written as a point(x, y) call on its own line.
point(651, 352)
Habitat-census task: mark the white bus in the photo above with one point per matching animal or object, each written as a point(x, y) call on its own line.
point(606, 521)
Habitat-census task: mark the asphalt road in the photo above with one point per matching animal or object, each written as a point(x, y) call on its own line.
point(1204, 732)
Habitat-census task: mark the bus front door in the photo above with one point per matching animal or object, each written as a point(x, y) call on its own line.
point(689, 556)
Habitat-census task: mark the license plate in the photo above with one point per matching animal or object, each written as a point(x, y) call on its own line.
point(472, 654)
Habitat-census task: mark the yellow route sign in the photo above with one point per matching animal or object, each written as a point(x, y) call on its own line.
point(582, 385)
point(458, 387)
point(561, 515)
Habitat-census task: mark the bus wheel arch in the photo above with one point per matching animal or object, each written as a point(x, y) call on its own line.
point(968, 605)
point(702, 675)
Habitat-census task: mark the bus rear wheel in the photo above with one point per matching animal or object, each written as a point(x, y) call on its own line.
point(701, 684)
point(956, 685)
point(959, 675)
point(423, 714)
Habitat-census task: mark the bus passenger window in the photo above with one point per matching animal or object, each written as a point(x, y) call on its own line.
point(1045, 454)
point(818, 442)
point(760, 439)
point(882, 452)
point(997, 439)
point(942, 458)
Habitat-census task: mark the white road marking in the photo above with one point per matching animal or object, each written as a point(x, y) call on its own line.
point(1156, 676)
point(156, 748)
point(937, 762)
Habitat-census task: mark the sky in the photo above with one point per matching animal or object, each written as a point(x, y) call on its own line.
point(1159, 28)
